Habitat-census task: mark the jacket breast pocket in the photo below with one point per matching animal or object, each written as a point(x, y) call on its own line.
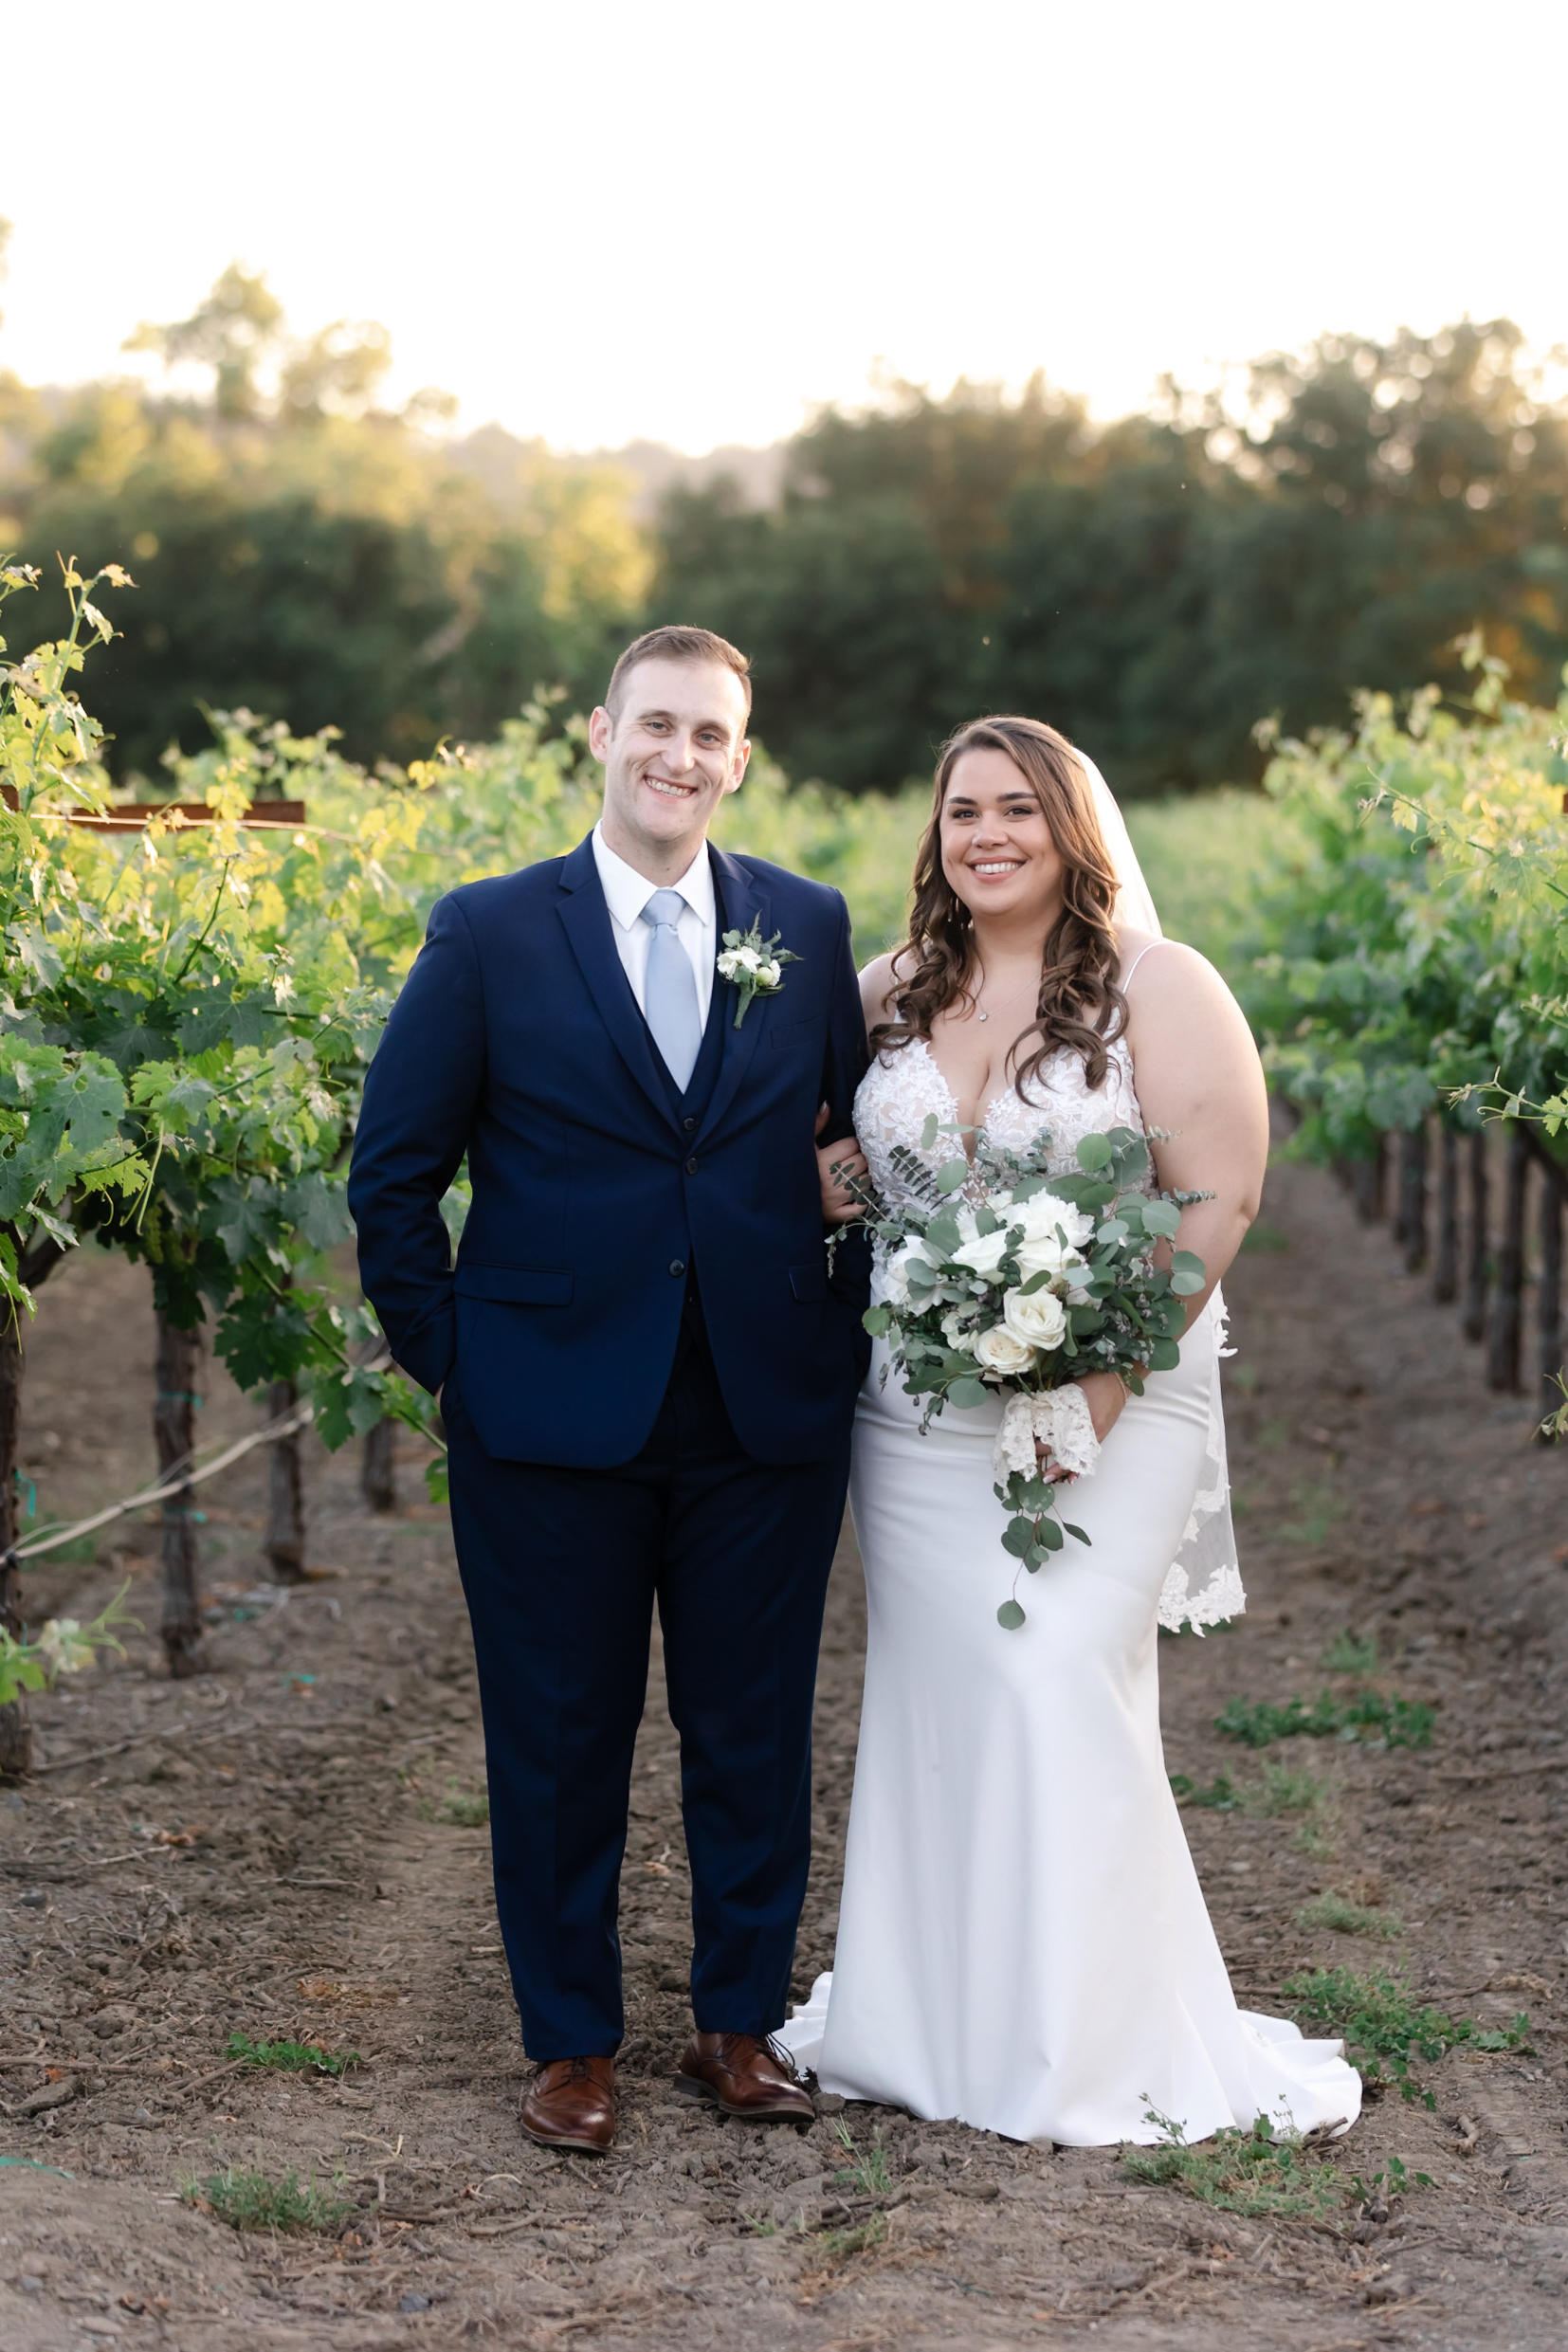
point(516, 1285)
point(809, 1283)
point(793, 1034)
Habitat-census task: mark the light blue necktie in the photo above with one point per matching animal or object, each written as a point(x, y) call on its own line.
point(669, 992)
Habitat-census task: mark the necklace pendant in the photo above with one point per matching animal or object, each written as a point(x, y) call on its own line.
point(985, 1016)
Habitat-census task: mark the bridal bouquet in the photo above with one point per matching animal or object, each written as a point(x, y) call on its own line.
point(1016, 1291)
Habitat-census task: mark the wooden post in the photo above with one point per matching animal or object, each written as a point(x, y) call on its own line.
point(1504, 1325)
point(1477, 1238)
point(1410, 1225)
point(285, 1533)
point(378, 1466)
point(1445, 1276)
point(1367, 1185)
point(1549, 1297)
point(35, 1265)
point(180, 1362)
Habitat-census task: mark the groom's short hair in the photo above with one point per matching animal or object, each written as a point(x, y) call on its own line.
point(677, 642)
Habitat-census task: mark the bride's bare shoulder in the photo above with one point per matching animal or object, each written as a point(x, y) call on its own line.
point(1170, 966)
point(877, 985)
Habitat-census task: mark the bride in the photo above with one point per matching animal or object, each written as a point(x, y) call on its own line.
point(1022, 1943)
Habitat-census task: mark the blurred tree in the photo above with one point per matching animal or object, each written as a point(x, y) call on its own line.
point(1152, 588)
point(305, 552)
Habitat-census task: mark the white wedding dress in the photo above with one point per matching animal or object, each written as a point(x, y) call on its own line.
point(1023, 1944)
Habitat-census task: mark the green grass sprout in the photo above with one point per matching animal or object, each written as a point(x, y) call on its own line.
point(249, 2201)
point(292, 2058)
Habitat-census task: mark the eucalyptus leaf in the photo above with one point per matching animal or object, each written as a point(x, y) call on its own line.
point(1010, 1617)
point(1094, 1152)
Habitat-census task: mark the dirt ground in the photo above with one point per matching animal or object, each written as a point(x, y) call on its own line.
point(286, 1847)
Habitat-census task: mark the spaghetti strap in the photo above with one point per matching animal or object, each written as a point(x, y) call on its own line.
point(1139, 958)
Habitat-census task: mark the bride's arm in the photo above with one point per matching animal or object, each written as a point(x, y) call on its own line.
point(1201, 1083)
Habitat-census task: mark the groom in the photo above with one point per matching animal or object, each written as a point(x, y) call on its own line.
point(647, 1371)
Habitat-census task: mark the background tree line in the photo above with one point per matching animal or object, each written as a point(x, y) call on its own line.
point(1154, 587)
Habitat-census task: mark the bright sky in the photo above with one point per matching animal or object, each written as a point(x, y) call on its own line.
point(602, 220)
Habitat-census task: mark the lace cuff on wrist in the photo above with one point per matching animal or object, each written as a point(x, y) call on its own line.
point(1062, 1422)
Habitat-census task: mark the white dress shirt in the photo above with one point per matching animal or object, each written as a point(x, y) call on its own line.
point(627, 893)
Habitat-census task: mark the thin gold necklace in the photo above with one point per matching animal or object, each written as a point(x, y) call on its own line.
point(1006, 1000)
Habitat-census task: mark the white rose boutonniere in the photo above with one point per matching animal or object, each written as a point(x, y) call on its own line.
point(753, 966)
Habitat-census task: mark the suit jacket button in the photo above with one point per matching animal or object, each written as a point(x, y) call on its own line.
point(677, 1266)
point(688, 1124)
point(691, 1167)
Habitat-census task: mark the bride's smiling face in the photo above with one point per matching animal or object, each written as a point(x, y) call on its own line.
point(998, 852)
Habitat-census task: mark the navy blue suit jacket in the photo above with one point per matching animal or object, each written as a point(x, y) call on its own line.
point(517, 1040)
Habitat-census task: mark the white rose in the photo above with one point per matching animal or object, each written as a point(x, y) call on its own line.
point(982, 1253)
point(1000, 1351)
point(1039, 1320)
point(895, 1273)
point(956, 1334)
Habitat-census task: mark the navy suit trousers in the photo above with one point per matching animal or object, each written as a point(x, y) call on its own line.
point(561, 1568)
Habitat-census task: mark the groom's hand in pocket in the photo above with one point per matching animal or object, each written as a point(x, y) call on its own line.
point(838, 1165)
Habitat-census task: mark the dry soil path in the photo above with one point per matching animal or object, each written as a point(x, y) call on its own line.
point(286, 1847)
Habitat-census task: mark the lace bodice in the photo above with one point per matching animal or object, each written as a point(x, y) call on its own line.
point(902, 1090)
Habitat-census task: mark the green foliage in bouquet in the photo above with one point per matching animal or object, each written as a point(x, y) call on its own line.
point(1004, 1279)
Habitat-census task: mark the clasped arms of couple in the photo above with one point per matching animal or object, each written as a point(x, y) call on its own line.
point(657, 1386)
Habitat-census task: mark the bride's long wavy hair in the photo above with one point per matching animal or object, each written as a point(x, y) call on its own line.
point(1080, 1005)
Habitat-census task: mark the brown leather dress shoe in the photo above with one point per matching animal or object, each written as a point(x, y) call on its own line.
point(570, 2103)
point(743, 2075)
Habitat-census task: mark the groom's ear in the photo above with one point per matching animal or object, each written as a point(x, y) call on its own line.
point(737, 765)
point(600, 728)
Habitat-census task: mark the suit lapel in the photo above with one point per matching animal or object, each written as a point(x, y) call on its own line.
point(592, 935)
point(741, 904)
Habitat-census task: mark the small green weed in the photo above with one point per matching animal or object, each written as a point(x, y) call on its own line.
point(1383, 2030)
point(838, 2245)
point(292, 2058)
point(1349, 1917)
point(1289, 1788)
point(1221, 1797)
point(1256, 2173)
point(249, 2200)
point(1351, 1653)
point(1393, 2180)
point(1366, 1716)
point(869, 2173)
point(1296, 1789)
point(760, 2225)
point(1322, 1507)
point(458, 1809)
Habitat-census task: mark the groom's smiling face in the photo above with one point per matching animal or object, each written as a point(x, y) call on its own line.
point(671, 751)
